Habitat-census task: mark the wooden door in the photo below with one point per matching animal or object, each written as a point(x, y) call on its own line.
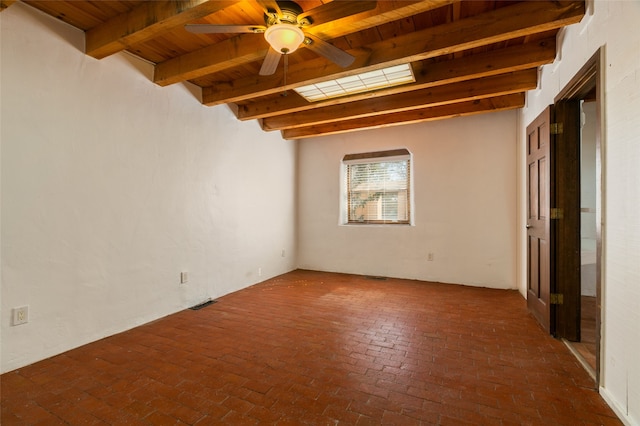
point(539, 244)
point(565, 190)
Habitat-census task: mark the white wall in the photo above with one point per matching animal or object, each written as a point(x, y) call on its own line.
point(588, 233)
point(588, 155)
point(464, 189)
point(111, 186)
point(613, 26)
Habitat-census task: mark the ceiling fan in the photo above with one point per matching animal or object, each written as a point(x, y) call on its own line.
point(285, 22)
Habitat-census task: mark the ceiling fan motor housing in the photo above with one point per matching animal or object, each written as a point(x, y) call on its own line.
point(290, 11)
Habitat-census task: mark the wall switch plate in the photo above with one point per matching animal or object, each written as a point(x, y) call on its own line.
point(184, 277)
point(20, 315)
point(430, 257)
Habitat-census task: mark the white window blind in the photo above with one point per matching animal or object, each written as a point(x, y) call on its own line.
point(378, 187)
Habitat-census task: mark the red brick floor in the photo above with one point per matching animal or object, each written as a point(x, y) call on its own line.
point(319, 349)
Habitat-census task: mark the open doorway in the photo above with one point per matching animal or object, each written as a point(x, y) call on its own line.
point(564, 216)
point(586, 347)
point(585, 90)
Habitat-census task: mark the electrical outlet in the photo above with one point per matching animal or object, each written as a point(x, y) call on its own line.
point(259, 272)
point(20, 315)
point(283, 252)
point(184, 277)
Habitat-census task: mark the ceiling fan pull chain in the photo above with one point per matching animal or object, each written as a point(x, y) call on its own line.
point(286, 65)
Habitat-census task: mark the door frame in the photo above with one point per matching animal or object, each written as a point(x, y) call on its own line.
point(590, 79)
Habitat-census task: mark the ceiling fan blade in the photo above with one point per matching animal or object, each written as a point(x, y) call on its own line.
point(336, 10)
point(223, 29)
point(270, 6)
point(270, 63)
point(330, 52)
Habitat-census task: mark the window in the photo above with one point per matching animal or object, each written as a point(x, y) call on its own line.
point(378, 187)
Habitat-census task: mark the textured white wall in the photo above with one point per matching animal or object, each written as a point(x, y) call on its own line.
point(464, 188)
point(111, 186)
point(588, 175)
point(611, 25)
point(588, 183)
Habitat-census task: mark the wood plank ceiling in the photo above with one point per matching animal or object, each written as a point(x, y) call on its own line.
point(468, 57)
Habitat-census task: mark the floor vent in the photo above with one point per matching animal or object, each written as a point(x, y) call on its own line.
point(376, 278)
point(202, 305)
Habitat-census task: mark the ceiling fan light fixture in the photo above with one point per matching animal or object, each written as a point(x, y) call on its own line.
point(284, 38)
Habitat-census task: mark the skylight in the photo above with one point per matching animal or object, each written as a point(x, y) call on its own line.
point(365, 82)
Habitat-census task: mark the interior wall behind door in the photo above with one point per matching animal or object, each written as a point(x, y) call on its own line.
point(588, 233)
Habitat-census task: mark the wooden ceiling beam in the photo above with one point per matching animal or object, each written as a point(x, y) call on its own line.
point(514, 58)
point(5, 4)
point(144, 22)
point(459, 109)
point(227, 54)
point(469, 90)
point(520, 19)
point(385, 11)
point(245, 48)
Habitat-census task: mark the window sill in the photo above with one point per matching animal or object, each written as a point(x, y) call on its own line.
point(376, 225)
